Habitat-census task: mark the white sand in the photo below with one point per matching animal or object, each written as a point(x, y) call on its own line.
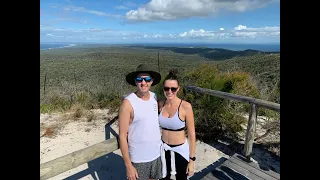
point(79, 134)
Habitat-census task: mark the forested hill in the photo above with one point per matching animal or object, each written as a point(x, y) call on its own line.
point(217, 54)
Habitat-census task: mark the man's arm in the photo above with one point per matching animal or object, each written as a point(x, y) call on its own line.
point(124, 120)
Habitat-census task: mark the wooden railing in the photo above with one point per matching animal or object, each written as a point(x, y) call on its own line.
point(255, 103)
point(54, 167)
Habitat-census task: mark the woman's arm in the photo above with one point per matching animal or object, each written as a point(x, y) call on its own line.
point(190, 129)
point(191, 137)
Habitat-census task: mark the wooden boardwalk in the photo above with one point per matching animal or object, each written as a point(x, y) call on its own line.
point(236, 168)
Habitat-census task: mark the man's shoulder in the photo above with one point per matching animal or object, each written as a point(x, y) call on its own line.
point(126, 99)
point(126, 96)
point(154, 95)
point(126, 106)
point(125, 102)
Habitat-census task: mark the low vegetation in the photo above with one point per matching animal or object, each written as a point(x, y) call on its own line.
point(79, 79)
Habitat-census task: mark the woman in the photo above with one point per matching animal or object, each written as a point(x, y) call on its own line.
point(178, 155)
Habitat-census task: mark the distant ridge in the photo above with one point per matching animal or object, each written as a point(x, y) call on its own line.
point(216, 54)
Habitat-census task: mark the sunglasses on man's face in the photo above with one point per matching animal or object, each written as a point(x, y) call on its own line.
point(173, 89)
point(140, 79)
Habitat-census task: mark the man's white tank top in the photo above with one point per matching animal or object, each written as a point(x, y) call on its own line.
point(144, 137)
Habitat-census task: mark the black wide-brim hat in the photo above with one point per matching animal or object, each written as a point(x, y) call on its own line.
point(143, 68)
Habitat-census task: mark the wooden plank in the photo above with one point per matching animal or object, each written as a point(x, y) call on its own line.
point(77, 158)
point(260, 102)
point(206, 171)
point(237, 165)
point(209, 176)
point(250, 131)
point(251, 166)
point(237, 172)
point(254, 170)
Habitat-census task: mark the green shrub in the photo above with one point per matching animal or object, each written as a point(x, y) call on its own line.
point(216, 116)
point(55, 103)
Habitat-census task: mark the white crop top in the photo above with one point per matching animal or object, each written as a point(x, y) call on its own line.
point(173, 123)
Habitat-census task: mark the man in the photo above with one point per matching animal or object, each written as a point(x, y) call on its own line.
point(139, 131)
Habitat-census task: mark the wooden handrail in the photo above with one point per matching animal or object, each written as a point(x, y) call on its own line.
point(255, 103)
point(77, 158)
point(260, 102)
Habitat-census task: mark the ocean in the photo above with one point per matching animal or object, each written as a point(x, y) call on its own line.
point(234, 47)
point(45, 46)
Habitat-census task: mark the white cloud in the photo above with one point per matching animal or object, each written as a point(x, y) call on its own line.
point(98, 34)
point(176, 9)
point(82, 9)
point(239, 31)
point(157, 36)
point(121, 7)
point(246, 34)
point(240, 27)
point(197, 33)
point(64, 18)
point(89, 34)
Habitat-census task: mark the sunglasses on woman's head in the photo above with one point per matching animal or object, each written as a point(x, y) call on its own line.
point(173, 89)
point(140, 79)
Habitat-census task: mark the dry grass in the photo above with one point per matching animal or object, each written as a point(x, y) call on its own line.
point(275, 149)
point(52, 130)
point(267, 133)
point(78, 112)
point(271, 142)
point(90, 116)
point(51, 125)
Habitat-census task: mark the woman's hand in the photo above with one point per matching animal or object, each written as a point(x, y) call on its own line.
point(190, 168)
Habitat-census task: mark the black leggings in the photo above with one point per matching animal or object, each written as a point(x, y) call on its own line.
point(181, 166)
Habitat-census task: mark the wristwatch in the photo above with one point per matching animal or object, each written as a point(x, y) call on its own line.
point(193, 158)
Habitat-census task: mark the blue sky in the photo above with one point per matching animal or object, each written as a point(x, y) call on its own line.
point(160, 21)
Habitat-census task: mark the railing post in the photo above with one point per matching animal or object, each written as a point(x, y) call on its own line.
point(250, 131)
point(109, 130)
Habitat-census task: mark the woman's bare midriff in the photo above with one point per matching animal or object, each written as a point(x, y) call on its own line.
point(173, 137)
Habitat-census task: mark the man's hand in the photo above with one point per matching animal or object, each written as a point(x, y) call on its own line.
point(132, 173)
